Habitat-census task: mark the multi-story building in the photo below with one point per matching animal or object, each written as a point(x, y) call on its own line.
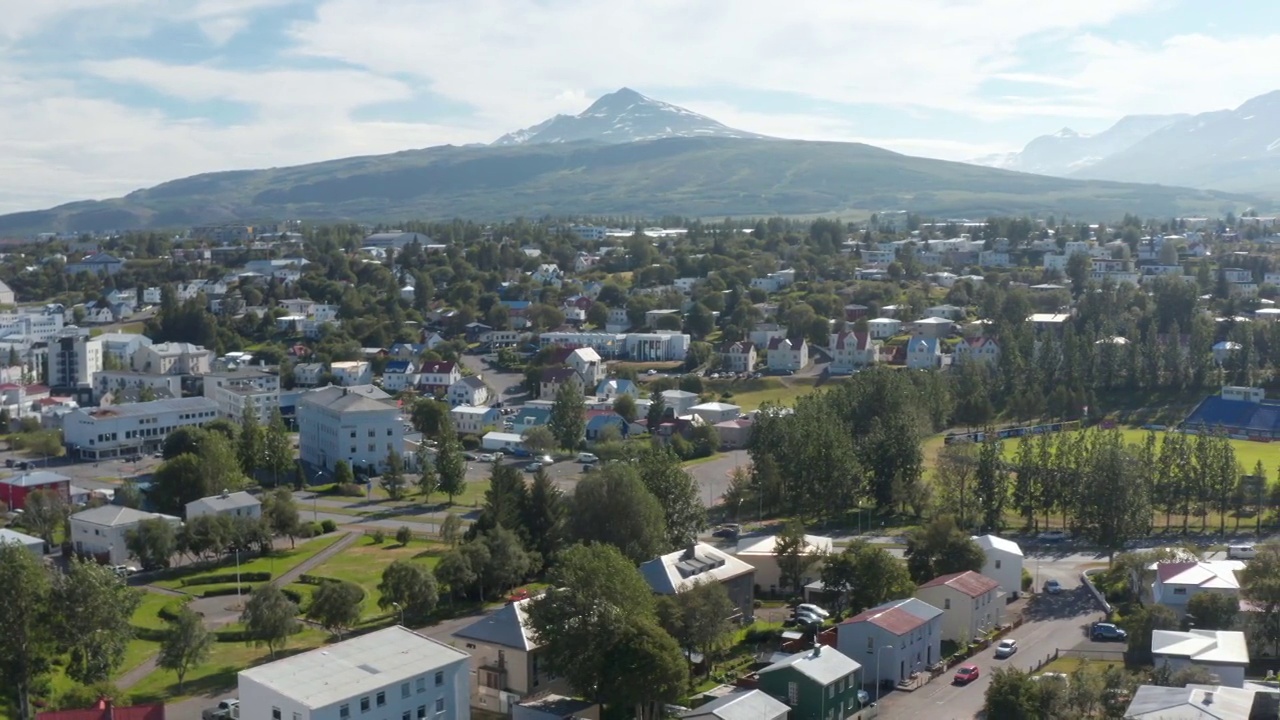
point(119, 430)
point(788, 355)
point(103, 531)
point(236, 390)
point(679, 571)
point(118, 348)
point(968, 601)
point(236, 504)
point(40, 324)
point(821, 683)
point(469, 420)
point(851, 351)
point(507, 660)
point(360, 425)
point(173, 358)
point(738, 356)
point(74, 359)
point(897, 638)
point(351, 373)
point(391, 674)
point(982, 350)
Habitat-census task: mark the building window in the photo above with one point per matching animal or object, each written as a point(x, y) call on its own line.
point(946, 603)
point(275, 713)
point(404, 715)
point(421, 684)
point(997, 564)
point(382, 699)
point(439, 704)
point(422, 712)
point(1179, 591)
point(364, 704)
point(297, 716)
point(404, 690)
point(439, 678)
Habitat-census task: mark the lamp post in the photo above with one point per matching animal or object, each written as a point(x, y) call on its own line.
point(315, 510)
point(237, 573)
point(399, 608)
point(878, 651)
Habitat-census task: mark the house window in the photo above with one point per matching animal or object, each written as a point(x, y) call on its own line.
point(997, 564)
point(421, 684)
point(871, 644)
point(297, 716)
point(344, 711)
point(404, 690)
point(275, 713)
point(382, 699)
point(439, 679)
point(439, 705)
point(364, 704)
point(946, 603)
point(1179, 591)
point(793, 694)
point(422, 711)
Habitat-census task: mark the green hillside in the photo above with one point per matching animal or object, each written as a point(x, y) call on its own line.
point(706, 177)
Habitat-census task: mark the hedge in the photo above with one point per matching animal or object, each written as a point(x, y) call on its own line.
point(152, 634)
point(309, 579)
point(169, 611)
point(223, 591)
point(293, 595)
point(242, 635)
point(227, 578)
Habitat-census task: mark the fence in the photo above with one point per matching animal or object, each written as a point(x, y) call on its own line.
point(1015, 432)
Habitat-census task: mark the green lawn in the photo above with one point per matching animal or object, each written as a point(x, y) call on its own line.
point(1068, 665)
point(276, 563)
point(364, 562)
point(148, 613)
point(218, 674)
point(751, 394)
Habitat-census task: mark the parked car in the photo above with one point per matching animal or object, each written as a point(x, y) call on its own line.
point(805, 618)
point(124, 570)
point(225, 710)
point(1241, 552)
point(1107, 631)
point(533, 467)
point(1053, 587)
point(813, 610)
point(587, 458)
point(1006, 648)
point(546, 460)
point(966, 674)
point(1052, 536)
point(468, 455)
point(485, 457)
point(729, 531)
point(588, 467)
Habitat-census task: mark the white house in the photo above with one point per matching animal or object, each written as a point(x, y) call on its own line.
point(236, 504)
point(438, 375)
point(1003, 563)
point(468, 420)
point(548, 274)
point(102, 531)
point(360, 425)
point(932, 327)
point(884, 328)
point(307, 375)
point(389, 674)
point(469, 390)
point(761, 553)
point(893, 640)
point(716, 412)
point(350, 373)
point(679, 402)
point(923, 353)
point(738, 356)
point(237, 390)
point(1224, 653)
point(34, 544)
point(118, 430)
point(788, 355)
point(173, 358)
point(968, 601)
point(851, 351)
point(1195, 702)
point(508, 663)
point(982, 350)
point(121, 347)
point(1177, 582)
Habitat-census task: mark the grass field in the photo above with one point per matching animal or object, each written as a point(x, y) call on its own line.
point(751, 394)
point(276, 563)
point(364, 562)
point(1248, 453)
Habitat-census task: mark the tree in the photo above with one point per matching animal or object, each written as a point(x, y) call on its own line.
point(954, 478)
point(27, 643)
point(625, 406)
point(277, 448)
point(269, 617)
point(698, 618)
point(539, 440)
point(794, 556)
point(941, 548)
point(991, 482)
point(335, 605)
point(153, 542)
point(403, 535)
point(44, 513)
point(210, 470)
point(187, 644)
point(644, 671)
point(867, 576)
point(411, 587)
point(451, 469)
point(1012, 694)
point(280, 513)
point(545, 518)
point(92, 608)
point(1140, 624)
point(342, 473)
point(657, 410)
point(613, 506)
point(1260, 585)
point(507, 562)
point(677, 493)
point(1211, 611)
point(428, 478)
point(568, 420)
point(393, 477)
point(428, 416)
point(504, 502)
point(451, 529)
point(252, 440)
point(1116, 501)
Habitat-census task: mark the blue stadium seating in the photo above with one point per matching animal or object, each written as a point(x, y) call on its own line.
point(1236, 417)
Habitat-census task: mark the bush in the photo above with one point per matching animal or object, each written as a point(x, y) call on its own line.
point(224, 591)
point(756, 634)
point(227, 578)
point(378, 536)
point(1026, 580)
point(470, 442)
point(328, 526)
point(169, 611)
point(152, 634)
point(404, 534)
point(294, 596)
point(349, 490)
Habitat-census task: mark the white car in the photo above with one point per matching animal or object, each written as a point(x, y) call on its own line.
point(587, 458)
point(484, 457)
point(1007, 647)
point(813, 610)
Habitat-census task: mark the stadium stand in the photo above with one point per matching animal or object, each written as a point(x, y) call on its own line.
point(1236, 417)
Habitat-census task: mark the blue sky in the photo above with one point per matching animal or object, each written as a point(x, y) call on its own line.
point(101, 97)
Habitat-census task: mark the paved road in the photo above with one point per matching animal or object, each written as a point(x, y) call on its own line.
point(713, 477)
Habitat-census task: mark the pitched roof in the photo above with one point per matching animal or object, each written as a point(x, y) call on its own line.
point(557, 375)
point(36, 479)
point(398, 367)
point(473, 382)
point(968, 582)
point(823, 664)
point(116, 515)
point(438, 367)
point(1215, 574)
point(897, 616)
point(995, 542)
point(507, 627)
point(740, 347)
point(229, 501)
point(1204, 646)
point(742, 705)
point(767, 544)
point(1193, 702)
point(784, 343)
point(677, 571)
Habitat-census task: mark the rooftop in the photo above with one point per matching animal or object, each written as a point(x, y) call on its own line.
point(227, 501)
point(507, 627)
point(766, 545)
point(897, 616)
point(995, 542)
point(36, 479)
point(357, 398)
point(968, 582)
point(116, 515)
point(741, 705)
point(142, 409)
point(1210, 574)
point(677, 571)
point(1202, 646)
point(1193, 702)
point(823, 664)
point(326, 675)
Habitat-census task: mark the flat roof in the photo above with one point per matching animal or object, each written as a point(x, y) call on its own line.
point(345, 670)
point(143, 409)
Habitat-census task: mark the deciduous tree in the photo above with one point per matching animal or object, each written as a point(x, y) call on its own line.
point(411, 587)
point(335, 605)
point(699, 618)
point(92, 607)
point(568, 421)
point(867, 576)
point(392, 479)
point(153, 542)
point(27, 643)
point(44, 512)
point(795, 556)
point(941, 548)
point(451, 468)
point(187, 644)
point(613, 506)
point(269, 617)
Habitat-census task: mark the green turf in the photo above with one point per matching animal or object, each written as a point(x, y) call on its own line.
point(364, 562)
point(277, 563)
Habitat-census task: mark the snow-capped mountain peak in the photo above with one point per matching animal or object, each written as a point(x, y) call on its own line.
point(621, 117)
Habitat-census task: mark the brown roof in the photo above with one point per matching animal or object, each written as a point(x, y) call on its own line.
point(557, 375)
point(104, 710)
point(1168, 570)
point(968, 582)
point(895, 619)
point(437, 367)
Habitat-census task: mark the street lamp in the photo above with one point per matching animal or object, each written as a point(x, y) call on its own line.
point(400, 609)
point(237, 548)
point(878, 651)
point(315, 510)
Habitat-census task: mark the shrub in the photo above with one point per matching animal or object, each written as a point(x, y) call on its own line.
point(152, 634)
point(378, 536)
point(224, 591)
point(328, 525)
point(1026, 580)
point(227, 578)
point(404, 534)
point(169, 611)
point(294, 596)
point(350, 490)
point(470, 442)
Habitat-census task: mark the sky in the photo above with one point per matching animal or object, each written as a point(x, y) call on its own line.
point(102, 97)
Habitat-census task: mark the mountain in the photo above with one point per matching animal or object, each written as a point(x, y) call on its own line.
point(621, 117)
point(710, 177)
point(1067, 152)
point(1232, 150)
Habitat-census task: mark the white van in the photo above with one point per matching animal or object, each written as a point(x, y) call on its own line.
point(1241, 552)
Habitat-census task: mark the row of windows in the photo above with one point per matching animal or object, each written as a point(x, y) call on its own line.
point(420, 685)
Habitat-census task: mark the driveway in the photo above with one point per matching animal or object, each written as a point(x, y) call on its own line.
point(713, 477)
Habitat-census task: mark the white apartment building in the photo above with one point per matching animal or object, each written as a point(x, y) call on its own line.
point(360, 425)
point(40, 325)
point(351, 373)
point(73, 360)
point(109, 381)
point(118, 430)
point(120, 347)
point(103, 531)
point(233, 391)
point(173, 359)
point(391, 674)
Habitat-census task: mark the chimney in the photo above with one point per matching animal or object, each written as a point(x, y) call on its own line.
point(817, 646)
point(690, 552)
point(1208, 697)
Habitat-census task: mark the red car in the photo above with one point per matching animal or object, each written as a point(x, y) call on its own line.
point(966, 674)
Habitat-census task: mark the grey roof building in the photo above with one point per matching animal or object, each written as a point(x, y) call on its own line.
point(749, 705)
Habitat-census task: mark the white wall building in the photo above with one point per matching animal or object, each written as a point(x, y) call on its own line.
point(351, 373)
point(236, 504)
point(173, 359)
point(1224, 653)
point(74, 359)
point(120, 347)
point(390, 674)
point(40, 324)
point(102, 531)
point(118, 430)
point(1003, 563)
point(360, 425)
point(234, 391)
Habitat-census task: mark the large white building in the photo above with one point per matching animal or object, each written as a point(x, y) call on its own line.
point(391, 674)
point(360, 425)
point(121, 347)
point(118, 430)
point(173, 359)
point(640, 347)
point(74, 359)
point(41, 325)
point(103, 531)
point(235, 390)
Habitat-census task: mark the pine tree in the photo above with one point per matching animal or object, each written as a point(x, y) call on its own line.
point(657, 409)
point(393, 477)
point(251, 440)
point(567, 421)
point(451, 469)
point(277, 451)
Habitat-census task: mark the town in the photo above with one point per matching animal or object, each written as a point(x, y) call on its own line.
point(621, 467)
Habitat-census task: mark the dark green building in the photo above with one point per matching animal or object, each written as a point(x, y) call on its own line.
point(817, 684)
